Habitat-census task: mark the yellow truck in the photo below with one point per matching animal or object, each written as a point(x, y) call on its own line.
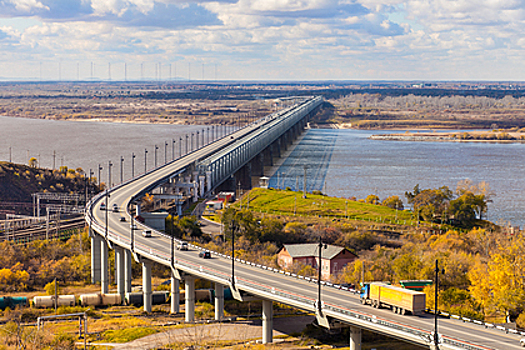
point(398, 299)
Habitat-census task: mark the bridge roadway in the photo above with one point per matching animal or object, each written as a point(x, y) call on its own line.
point(269, 284)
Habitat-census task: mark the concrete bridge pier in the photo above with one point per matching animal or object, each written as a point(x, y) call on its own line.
point(146, 284)
point(267, 321)
point(189, 282)
point(127, 271)
point(120, 279)
point(95, 256)
point(219, 301)
point(355, 338)
point(104, 266)
point(175, 294)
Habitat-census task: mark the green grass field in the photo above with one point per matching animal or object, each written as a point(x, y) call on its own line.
point(290, 203)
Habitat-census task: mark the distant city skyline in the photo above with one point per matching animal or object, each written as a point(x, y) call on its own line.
point(300, 40)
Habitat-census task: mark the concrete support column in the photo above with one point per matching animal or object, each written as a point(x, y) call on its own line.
point(355, 338)
point(208, 181)
point(137, 209)
point(95, 257)
point(189, 282)
point(175, 294)
point(119, 260)
point(267, 321)
point(146, 284)
point(127, 271)
point(202, 188)
point(104, 267)
point(219, 301)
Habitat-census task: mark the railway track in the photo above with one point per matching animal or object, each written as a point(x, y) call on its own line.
point(65, 229)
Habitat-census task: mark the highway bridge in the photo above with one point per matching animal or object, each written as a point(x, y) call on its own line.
point(204, 170)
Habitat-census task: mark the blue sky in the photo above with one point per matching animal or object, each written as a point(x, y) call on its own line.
point(263, 39)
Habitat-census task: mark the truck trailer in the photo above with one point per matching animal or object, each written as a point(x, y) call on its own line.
point(398, 299)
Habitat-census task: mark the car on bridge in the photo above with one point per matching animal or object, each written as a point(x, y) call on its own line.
point(102, 206)
point(205, 254)
point(522, 342)
point(146, 233)
point(182, 246)
point(115, 208)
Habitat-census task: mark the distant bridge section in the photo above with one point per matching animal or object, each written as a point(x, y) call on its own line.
point(219, 166)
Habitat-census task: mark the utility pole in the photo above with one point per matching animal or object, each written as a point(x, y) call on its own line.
point(132, 165)
point(145, 160)
point(436, 308)
point(319, 267)
point(121, 169)
point(304, 186)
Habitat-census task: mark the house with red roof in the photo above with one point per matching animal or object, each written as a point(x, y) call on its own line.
point(333, 258)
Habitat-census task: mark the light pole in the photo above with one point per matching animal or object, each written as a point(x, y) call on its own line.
point(208, 134)
point(99, 170)
point(192, 134)
point(186, 144)
point(172, 243)
point(165, 152)
point(121, 167)
point(196, 140)
point(320, 246)
point(180, 147)
point(202, 136)
point(145, 160)
point(232, 229)
point(107, 210)
point(436, 311)
point(109, 173)
point(304, 185)
point(132, 165)
point(172, 149)
point(132, 233)
point(156, 148)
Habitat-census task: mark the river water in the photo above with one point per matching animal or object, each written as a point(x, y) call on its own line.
point(346, 163)
point(342, 163)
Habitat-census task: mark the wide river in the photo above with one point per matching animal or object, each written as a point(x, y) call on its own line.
point(342, 163)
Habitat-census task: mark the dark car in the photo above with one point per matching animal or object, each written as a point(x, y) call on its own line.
point(205, 255)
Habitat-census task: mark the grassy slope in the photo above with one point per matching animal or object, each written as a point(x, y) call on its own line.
point(282, 202)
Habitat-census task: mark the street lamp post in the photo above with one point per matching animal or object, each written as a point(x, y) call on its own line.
point(197, 140)
point(121, 171)
point(172, 149)
point(172, 243)
point(99, 180)
point(180, 147)
point(436, 311)
point(109, 174)
point(192, 134)
point(165, 152)
point(156, 148)
point(132, 165)
point(320, 246)
point(186, 144)
point(145, 160)
point(232, 229)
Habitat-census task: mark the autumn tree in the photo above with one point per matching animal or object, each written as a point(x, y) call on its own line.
point(393, 202)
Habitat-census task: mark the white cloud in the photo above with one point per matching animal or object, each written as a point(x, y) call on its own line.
point(28, 5)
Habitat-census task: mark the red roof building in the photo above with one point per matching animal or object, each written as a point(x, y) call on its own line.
point(333, 258)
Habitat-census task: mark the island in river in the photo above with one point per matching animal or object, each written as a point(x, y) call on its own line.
point(502, 136)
